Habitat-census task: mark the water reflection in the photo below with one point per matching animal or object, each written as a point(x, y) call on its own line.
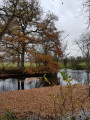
point(88, 78)
point(81, 76)
point(18, 84)
point(33, 82)
point(11, 84)
point(8, 85)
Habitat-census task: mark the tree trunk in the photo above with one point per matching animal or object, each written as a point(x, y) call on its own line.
point(87, 61)
point(18, 59)
point(22, 55)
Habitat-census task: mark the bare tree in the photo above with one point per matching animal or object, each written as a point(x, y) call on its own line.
point(84, 45)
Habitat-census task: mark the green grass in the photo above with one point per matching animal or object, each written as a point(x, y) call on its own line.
point(69, 65)
point(14, 66)
point(28, 65)
point(83, 64)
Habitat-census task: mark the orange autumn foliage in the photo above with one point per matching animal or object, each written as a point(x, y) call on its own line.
point(52, 36)
point(48, 65)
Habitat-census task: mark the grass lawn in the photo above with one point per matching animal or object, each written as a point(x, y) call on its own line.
point(27, 65)
point(14, 66)
point(69, 65)
point(83, 64)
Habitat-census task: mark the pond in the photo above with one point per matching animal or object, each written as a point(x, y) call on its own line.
point(78, 76)
point(12, 84)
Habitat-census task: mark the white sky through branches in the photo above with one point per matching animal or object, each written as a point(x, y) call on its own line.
point(72, 19)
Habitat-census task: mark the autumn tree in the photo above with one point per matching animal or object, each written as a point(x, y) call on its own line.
point(7, 14)
point(27, 19)
point(27, 34)
point(11, 42)
point(26, 15)
point(50, 36)
point(48, 48)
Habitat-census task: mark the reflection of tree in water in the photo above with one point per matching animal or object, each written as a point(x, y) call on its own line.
point(2, 87)
point(88, 80)
point(79, 75)
point(34, 83)
point(9, 84)
point(21, 83)
point(37, 84)
point(18, 84)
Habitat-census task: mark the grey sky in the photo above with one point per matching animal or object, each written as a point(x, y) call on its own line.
point(71, 19)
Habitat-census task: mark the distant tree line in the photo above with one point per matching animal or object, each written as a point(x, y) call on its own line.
point(78, 62)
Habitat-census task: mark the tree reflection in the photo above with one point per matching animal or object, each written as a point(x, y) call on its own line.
point(88, 77)
point(20, 84)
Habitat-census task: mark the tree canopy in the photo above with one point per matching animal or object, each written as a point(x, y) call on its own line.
point(23, 33)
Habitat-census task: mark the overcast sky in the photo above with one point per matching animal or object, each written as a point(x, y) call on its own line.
point(72, 19)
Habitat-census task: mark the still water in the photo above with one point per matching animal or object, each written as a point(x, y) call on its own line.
point(12, 84)
point(78, 76)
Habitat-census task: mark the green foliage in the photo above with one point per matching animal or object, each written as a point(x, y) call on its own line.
point(66, 78)
point(8, 115)
point(26, 119)
point(61, 98)
point(1, 100)
point(46, 79)
point(73, 118)
point(81, 65)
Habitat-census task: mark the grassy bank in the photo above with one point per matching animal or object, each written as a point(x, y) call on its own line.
point(11, 70)
point(80, 66)
point(28, 65)
point(14, 66)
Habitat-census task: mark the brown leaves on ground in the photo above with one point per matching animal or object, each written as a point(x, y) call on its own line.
point(25, 102)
